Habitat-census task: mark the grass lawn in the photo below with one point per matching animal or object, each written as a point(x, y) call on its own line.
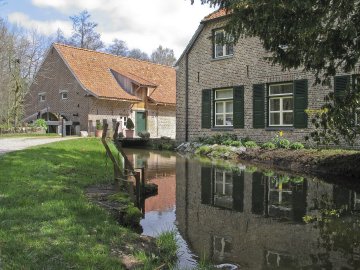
point(46, 222)
point(20, 135)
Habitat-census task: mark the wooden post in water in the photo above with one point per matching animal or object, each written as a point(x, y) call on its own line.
point(117, 171)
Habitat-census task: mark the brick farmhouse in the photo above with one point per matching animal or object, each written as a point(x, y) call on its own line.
point(86, 87)
point(231, 88)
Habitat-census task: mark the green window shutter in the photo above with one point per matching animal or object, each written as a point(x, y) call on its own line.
point(206, 109)
point(238, 108)
point(213, 43)
point(258, 191)
point(340, 85)
point(259, 106)
point(238, 191)
point(206, 185)
point(300, 103)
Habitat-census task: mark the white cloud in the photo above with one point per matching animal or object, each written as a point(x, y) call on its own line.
point(143, 24)
point(44, 27)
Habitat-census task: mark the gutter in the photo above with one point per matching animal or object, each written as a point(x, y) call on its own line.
point(186, 55)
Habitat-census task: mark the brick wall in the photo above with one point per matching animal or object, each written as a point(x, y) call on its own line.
point(246, 67)
point(53, 77)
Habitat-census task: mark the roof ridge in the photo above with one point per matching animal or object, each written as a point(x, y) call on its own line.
point(126, 57)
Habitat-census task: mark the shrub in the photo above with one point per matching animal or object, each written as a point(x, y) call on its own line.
point(236, 143)
point(284, 143)
point(121, 135)
point(218, 139)
point(40, 123)
point(246, 139)
point(129, 124)
point(296, 146)
point(250, 144)
point(144, 135)
point(203, 150)
point(227, 142)
point(268, 145)
point(99, 126)
point(166, 146)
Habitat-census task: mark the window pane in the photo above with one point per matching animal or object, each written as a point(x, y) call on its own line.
point(219, 120)
point(219, 37)
point(219, 107)
point(288, 104)
point(229, 120)
point(229, 49)
point(228, 178)
point(274, 118)
point(224, 94)
point(281, 89)
point(229, 107)
point(288, 118)
point(219, 50)
point(275, 104)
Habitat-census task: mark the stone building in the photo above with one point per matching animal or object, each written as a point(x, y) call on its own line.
point(231, 88)
point(86, 87)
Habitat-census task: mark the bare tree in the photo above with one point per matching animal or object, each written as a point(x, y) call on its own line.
point(21, 53)
point(118, 47)
point(60, 37)
point(84, 34)
point(138, 54)
point(164, 56)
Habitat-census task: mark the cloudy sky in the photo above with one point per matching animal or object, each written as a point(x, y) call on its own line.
point(143, 24)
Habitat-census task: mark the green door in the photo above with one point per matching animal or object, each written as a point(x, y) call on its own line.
point(140, 122)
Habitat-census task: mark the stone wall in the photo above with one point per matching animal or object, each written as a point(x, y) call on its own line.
point(246, 67)
point(161, 121)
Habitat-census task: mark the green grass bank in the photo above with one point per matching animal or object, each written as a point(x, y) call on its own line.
point(46, 221)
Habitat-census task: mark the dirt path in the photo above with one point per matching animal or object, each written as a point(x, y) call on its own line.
point(14, 144)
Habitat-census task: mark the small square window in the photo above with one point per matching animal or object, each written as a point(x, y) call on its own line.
point(41, 97)
point(64, 95)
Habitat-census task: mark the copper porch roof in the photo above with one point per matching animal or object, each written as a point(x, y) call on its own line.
point(93, 70)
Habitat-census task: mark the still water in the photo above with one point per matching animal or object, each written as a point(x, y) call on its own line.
point(254, 219)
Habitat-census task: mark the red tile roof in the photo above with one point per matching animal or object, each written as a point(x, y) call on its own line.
point(93, 71)
point(216, 14)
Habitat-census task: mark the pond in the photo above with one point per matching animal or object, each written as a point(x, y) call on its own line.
point(250, 218)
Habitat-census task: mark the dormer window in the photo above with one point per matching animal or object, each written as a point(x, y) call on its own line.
point(223, 44)
point(42, 97)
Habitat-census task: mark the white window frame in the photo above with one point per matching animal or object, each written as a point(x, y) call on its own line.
point(280, 97)
point(42, 97)
point(224, 46)
point(223, 101)
point(222, 181)
point(64, 92)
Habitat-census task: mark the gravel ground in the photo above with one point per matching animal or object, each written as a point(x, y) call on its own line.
point(14, 144)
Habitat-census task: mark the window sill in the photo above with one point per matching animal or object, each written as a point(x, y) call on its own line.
point(279, 128)
point(222, 128)
point(222, 58)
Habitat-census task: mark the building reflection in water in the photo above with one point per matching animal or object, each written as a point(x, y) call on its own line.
point(251, 218)
point(255, 219)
